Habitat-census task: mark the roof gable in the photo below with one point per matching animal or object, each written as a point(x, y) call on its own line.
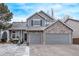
point(34, 15)
point(45, 15)
point(58, 26)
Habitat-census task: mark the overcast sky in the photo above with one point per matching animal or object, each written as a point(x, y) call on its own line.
point(22, 11)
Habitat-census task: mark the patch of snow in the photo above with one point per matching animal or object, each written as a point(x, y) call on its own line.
point(13, 50)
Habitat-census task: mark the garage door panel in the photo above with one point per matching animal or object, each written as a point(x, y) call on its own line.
point(57, 38)
point(35, 38)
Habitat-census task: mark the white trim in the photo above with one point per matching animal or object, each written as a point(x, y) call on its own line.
point(44, 38)
point(15, 35)
point(24, 34)
point(21, 35)
point(36, 20)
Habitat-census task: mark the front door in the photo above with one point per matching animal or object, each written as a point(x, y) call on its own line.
point(25, 37)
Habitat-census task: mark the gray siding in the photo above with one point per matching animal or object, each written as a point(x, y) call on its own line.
point(35, 17)
point(44, 19)
point(58, 27)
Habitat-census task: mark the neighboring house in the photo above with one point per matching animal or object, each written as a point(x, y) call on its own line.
point(40, 28)
point(74, 24)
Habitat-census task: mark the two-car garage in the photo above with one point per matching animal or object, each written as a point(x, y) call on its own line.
point(57, 33)
point(57, 38)
point(51, 38)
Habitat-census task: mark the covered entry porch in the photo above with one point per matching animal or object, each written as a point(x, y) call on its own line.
point(20, 35)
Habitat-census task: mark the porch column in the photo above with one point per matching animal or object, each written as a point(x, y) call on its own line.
point(0, 34)
point(8, 36)
point(28, 38)
point(21, 35)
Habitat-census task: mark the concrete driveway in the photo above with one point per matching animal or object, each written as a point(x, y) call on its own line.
point(14, 50)
point(54, 50)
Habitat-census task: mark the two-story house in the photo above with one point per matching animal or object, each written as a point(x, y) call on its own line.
point(40, 28)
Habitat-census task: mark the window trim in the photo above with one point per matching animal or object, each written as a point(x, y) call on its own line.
point(39, 20)
point(13, 33)
point(14, 36)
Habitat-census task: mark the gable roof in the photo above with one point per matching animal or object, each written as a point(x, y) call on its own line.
point(41, 15)
point(60, 22)
point(34, 15)
point(71, 19)
point(46, 15)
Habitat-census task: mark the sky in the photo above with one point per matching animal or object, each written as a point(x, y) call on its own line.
point(21, 11)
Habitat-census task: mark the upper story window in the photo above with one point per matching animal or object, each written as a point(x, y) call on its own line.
point(36, 22)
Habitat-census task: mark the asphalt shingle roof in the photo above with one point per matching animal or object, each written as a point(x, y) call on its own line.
point(36, 28)
point(18, 26)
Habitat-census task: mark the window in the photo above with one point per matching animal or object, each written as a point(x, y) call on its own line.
point(41, 22)
point(32, 22)
point(36, 22)
point(13, 34)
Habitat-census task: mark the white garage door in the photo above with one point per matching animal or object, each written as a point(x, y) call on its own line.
point(57, 38)
point(35, 38)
